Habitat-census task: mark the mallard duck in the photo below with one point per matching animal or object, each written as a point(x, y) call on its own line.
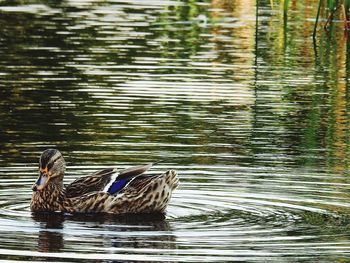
point(106, 191)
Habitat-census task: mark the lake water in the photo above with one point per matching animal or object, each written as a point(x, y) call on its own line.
point(253, 116)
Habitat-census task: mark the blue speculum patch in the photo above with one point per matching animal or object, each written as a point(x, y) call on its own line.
point(118, 185)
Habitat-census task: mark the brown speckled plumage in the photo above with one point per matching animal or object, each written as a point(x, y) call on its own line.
point(143, 194)
point(90, 183)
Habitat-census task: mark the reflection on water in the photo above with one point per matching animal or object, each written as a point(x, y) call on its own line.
point(120, 233)
point(254, 119)
point(50, 235)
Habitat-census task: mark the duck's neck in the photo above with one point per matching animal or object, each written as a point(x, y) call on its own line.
point(51, 198)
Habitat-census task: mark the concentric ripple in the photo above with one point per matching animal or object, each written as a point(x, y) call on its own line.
point(221, 217)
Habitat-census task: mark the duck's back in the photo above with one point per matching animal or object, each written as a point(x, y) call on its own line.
point(92, 183)
point(108, 180)
point(143, 194)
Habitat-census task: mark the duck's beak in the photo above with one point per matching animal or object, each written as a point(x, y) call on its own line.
point(41, 182)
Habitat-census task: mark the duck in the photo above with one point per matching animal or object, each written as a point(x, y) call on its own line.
point(112, 191)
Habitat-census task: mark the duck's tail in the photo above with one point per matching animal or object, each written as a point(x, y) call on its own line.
point(152, 193)
point(160, 190)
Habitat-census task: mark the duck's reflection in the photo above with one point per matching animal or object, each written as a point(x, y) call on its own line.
point(150, 231)
point(50, 234)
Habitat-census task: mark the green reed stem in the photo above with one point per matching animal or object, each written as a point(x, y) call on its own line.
point(285, 9)
point(317, 17)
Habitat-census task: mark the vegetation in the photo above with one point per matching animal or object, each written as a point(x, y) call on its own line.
point(331, 10)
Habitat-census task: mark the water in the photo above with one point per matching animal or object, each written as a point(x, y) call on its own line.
point(251, 115)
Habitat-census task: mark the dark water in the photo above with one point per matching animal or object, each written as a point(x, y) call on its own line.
point(252, 115)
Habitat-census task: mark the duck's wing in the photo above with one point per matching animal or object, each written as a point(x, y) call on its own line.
point(91, 183)
point(108, 180)
point(140, 182)
point(152, 183)
point(125, 177)
point(144, 194)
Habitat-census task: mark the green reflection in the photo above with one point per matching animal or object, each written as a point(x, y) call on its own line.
point(249, 109)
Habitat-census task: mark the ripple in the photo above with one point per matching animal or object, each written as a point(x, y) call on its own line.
point(35, 9)
point(204, 213)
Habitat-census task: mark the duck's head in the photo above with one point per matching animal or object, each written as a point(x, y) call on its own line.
point(51, 169)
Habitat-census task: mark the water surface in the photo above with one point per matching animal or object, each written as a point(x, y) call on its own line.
point(252, 115)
